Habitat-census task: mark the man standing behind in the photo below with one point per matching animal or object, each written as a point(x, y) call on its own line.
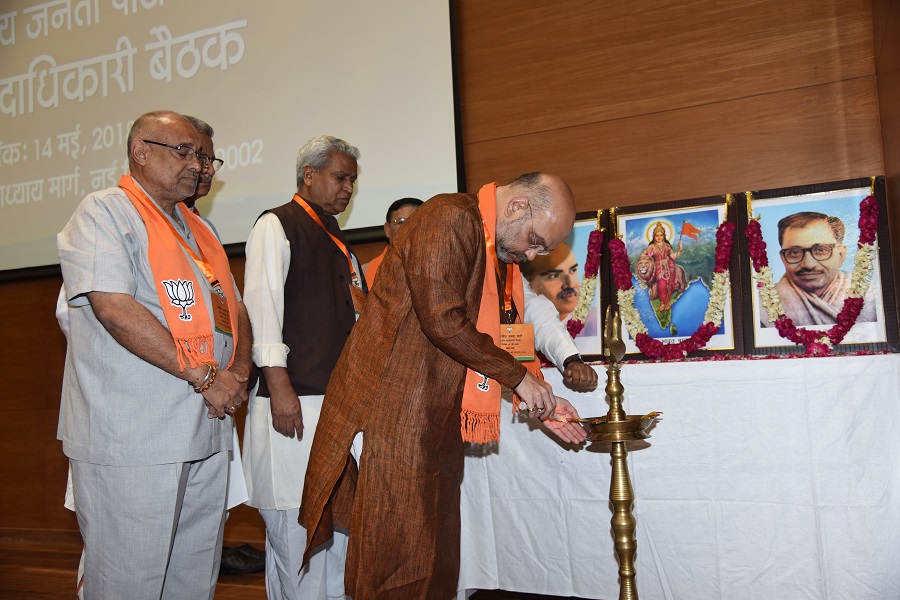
point(422, 372)
point(244, 558)
point(208, 161)
point(813, 287)
point(300, 282)
point(152, 306)
point(397, 214)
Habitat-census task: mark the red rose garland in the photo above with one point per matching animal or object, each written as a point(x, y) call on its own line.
point(817, 342)
point(650, 346)
point(591, 268)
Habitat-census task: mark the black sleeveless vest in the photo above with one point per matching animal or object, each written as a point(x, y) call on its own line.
point(318, 308)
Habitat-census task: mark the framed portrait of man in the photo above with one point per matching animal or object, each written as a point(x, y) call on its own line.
point(560, 277)
point(811, 237)
point(672, 255)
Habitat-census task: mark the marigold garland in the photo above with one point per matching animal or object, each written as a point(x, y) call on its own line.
point(625, 292)
point(818, 342)
point(588, 284)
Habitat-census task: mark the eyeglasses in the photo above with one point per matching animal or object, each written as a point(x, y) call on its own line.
point(820, 252)
point(185, 152)
point(399, 221)
point(209, 161)
point(538, 248)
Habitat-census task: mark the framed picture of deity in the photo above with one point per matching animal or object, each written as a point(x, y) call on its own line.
point(817, 269)
point(569, 277)
point(671, 268)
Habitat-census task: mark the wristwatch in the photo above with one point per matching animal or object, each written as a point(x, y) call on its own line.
point(571, 359)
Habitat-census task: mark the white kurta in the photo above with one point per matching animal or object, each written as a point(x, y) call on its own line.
point(274, 465)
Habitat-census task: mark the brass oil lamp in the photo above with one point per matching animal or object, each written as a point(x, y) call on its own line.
point(618, 428)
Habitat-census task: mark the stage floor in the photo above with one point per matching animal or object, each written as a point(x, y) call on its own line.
point(42, 565)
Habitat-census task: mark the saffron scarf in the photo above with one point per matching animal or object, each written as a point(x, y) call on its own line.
point(357, 286)
point(354, 277)
point(174, 278)
point(481, 395)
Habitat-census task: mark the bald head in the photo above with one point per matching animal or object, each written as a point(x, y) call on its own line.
point(559, 210)
point(162, 158)
point(149, 124)
point(534, 212)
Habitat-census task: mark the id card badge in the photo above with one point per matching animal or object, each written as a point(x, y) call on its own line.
point(518, 340)
point(359, 299)
point(220, 312)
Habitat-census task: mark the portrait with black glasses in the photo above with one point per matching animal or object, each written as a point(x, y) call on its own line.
point(811, 242)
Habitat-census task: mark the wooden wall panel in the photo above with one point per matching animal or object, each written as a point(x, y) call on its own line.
point(819, 133)
point(881, 18)
point(33, 469)
point(537, 66)
point(887, 21)
point(888, 76)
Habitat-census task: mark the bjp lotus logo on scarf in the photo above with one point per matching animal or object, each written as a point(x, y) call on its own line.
point(181, 293)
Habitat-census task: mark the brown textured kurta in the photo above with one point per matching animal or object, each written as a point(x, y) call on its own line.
point(399, 379)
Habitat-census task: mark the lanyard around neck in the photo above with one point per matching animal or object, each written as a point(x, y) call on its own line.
point(337, 242)
point(491, 249)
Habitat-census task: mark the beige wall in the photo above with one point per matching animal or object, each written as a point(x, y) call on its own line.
point(632, 102)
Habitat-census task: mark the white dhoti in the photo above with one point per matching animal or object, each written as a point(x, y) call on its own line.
point(274, 469)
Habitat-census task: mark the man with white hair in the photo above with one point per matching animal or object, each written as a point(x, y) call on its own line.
point(301, 281)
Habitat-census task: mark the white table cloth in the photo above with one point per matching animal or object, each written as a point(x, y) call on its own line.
point(764, 479)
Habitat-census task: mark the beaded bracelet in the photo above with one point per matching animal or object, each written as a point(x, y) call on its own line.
point(207, 381)
point(202, 382)
point(208, 384)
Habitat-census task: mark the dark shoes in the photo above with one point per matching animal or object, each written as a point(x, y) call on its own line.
point(242, 559)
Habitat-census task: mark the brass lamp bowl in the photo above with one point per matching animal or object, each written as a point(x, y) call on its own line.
point(634, 427)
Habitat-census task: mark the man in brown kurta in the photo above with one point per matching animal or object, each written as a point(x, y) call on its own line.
point(400, 380)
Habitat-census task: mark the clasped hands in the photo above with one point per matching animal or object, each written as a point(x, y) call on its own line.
point(555, 413)
point(226, 394)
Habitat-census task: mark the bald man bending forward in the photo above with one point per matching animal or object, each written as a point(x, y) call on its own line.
point(400, 381)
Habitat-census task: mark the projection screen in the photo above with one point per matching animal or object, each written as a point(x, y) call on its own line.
point(267, 76)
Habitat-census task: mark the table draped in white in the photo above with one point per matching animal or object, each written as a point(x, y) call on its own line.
point(763, 479)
